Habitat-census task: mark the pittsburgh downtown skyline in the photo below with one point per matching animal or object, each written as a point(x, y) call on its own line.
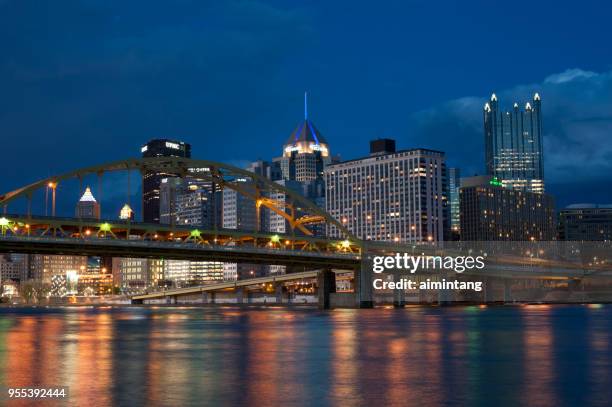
point(251, 203)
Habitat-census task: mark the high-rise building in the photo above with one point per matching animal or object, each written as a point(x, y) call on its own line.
point(390, 196)
point(189, 201)
point(490, 211)
point(151, 180)
point(305, 153)
point(586, 222)
point(266, 169)
point(239, 211)
point(87, 207)
point(513, 144)
point(454, 183)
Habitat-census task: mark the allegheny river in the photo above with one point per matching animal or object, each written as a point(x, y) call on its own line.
point(423, 356)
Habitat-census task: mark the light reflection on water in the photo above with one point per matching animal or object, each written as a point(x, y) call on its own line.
point(418, 356)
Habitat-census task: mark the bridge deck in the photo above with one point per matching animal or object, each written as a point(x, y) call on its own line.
point(226, 285)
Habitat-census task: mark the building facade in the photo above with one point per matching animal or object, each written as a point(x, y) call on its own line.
point(492, 212)
point(454, 183)
point(87, 207)
point(151, 181)
point(394, 196)
point(514, 145)
point(586, 222)
point(44, 267)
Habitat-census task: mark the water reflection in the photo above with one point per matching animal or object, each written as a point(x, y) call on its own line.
point(231, 356)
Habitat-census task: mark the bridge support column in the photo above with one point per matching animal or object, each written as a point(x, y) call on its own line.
point(363, 285)
point(487, 290)
point(136, 302)
point(239, 295)
point(508, 291)
point(399, 296)
point(208, 297)
point(326, 280)
point(444, 297)
point(278, 293)
point(171, 299)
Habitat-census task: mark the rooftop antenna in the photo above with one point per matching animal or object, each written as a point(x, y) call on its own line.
point(305, 105)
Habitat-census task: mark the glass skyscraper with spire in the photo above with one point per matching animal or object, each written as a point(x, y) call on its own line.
point(513, 145)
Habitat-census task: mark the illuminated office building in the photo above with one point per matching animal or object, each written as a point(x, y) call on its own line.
point(454, 183)
point(43, 267)
point(87, 207)
point(586, 222)
point(492, 212)
point(151, 180)
point(397, 196)
point(513, 144)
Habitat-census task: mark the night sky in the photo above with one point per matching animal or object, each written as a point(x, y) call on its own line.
point(85, 82)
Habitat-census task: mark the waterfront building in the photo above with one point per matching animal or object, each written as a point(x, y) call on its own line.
point(586, 222)
point(133, 275)
point(151, 180)
point(398, 196)
point(184, 273)
point(87, 207)
point(513, 144)
point(489, 211)
point(454, 183)
point(43, 267)
point(13, 267)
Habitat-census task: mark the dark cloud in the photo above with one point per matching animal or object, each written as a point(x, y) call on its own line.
point(577, 121)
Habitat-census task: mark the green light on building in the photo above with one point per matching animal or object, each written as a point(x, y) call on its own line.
point(496, 182)
point(275, 239)
point(4, 222)
point(195, 233)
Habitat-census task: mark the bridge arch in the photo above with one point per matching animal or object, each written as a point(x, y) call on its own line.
point(300, 213)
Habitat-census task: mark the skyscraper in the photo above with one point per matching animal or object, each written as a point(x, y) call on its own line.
point(87, 207)
point(305, 153)
point(513, 144)
point(454, 183)
point(151, 180)
point(394, 196)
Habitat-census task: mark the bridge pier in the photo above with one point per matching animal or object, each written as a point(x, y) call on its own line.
point(239, 295)
point(136, 302)
point(171, 299)
point(278, 293)
point(326, 280)
point(444, 297)
point(508, 291)
point(399, 296)
point(487, 287)
point(208, 297)
point(363, 285)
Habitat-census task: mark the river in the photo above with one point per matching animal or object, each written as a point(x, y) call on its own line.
point(538, 355)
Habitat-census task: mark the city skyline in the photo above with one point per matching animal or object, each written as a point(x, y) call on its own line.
point(132, 76)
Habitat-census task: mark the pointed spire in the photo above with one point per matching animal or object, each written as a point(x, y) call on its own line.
point(515, 105)
point(528, 106)
point(536, 96)
point(487, 107)
point(305, 105)
point(493, 98)
point(87, 196)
